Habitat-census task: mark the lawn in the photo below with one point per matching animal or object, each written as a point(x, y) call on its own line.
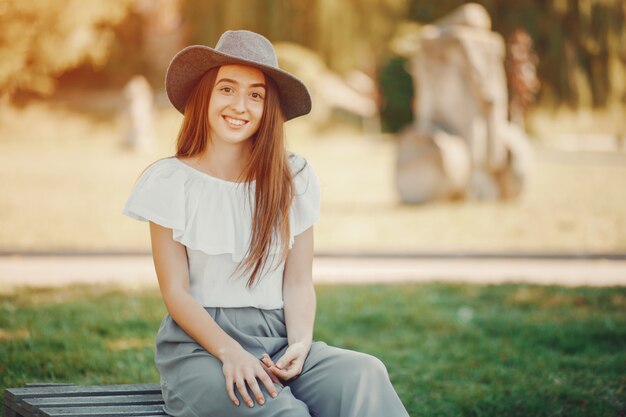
point(65, 179)
point(451, 350)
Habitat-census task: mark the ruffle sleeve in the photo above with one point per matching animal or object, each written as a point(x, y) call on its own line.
point(159, 196)
point(212, 215)
point(205, 213)
point(305, 209)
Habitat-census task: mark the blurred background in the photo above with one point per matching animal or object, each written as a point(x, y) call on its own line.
point(438, 128)
point(442, 126)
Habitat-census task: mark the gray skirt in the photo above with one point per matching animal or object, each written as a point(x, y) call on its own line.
point(334, 382)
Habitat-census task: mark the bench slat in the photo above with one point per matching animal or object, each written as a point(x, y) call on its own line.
point(15, 394)
point(29, 406)
point(32, 404)
point(66, 400)
point(105, 411)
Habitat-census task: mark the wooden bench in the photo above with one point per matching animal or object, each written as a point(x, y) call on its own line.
point(66, 400)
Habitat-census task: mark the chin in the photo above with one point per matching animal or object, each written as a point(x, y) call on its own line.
point(235, 141)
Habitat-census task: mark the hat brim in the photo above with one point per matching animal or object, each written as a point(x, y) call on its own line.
point(190, 64)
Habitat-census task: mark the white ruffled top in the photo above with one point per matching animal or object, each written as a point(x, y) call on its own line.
point(212, 217)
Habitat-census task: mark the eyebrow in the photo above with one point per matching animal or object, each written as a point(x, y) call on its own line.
point(228, 80)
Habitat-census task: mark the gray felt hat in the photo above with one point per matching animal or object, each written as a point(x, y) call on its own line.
point(234, 47)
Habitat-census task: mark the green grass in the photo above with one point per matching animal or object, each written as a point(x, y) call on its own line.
point(451, 350)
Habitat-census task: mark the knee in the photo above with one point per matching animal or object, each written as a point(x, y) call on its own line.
point(363, 365)
point(373, 366)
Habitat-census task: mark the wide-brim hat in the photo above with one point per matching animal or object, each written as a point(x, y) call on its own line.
point(234, 47)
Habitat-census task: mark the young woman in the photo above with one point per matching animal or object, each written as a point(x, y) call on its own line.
point(231, 223)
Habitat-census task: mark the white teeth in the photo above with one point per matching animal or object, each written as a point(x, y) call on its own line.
point(235, 122)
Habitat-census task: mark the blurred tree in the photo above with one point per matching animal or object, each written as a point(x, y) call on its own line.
point(39, 39)
point(580, 43)
point(348, 34)
point(162, 33)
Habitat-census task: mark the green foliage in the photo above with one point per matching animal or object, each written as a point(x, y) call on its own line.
point(397, 91)
point(581, 44)
point(451, 350)
point(581, 47)
point(42, 38)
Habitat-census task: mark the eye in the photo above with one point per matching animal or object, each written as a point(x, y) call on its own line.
point(226, 89)
point(256, 95)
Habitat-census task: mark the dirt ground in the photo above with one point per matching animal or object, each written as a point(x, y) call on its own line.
point(137, 271)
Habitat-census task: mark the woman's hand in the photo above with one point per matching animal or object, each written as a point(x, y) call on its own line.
point(290, 364)
point(240, 369)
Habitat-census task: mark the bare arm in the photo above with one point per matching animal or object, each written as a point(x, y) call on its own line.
point(170, 263)
point(298, 290)
point(240, 367)
point(300, 301)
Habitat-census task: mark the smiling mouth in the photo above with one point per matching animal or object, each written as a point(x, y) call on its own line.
point(235, 122)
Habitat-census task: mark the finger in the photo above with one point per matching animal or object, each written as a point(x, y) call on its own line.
point(274, 378)
point(294, 369)
point(243, 391)
point(266, 379)
point(271, 375)
point(286, 359)
point(268, 364)
point(256, 391)
point(231, 391)
point(289, 374)
point(267, 361)
point(281, 373)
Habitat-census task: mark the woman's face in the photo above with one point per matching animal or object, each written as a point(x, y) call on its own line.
point(237, 103)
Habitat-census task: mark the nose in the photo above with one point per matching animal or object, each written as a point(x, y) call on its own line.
point(238, 103)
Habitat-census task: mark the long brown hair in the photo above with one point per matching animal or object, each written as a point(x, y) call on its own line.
point(268, 167)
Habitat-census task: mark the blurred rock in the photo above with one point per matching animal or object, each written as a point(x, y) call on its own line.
point(462, 91)
point(356, 94)
point(431, 166)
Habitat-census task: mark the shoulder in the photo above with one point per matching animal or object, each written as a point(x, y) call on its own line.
point(159, 195)
point(300, 167)
point(304, 177)
point(166, 169)
point(306, 203)
point(167, 164)
point(158, 180)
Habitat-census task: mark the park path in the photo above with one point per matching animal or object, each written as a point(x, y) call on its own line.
point(136, 271)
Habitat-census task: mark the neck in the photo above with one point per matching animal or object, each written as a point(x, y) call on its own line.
point(224, 160)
